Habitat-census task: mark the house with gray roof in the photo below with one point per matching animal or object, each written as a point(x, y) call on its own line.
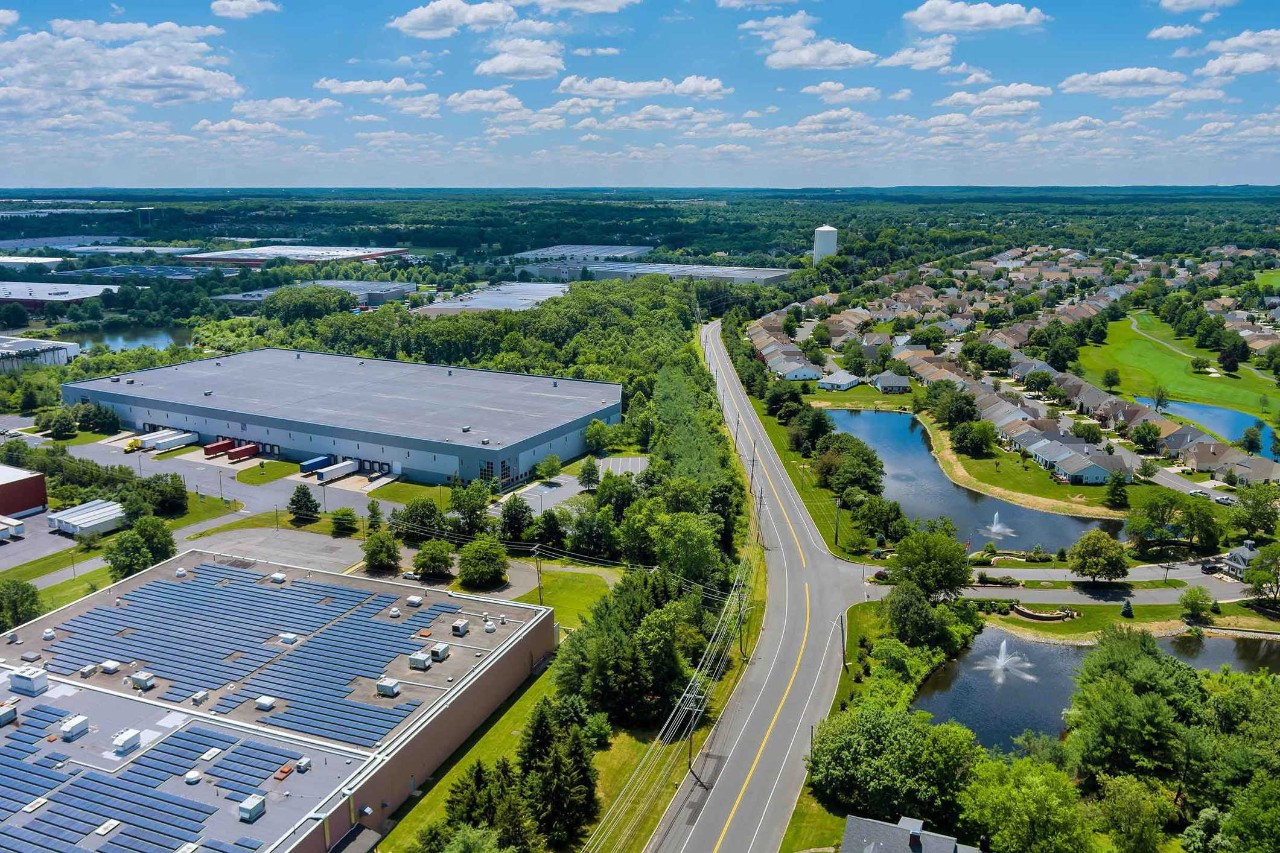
point(864, 835)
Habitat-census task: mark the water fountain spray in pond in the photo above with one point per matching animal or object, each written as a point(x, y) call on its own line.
point(1004, 664)
point(996, 530)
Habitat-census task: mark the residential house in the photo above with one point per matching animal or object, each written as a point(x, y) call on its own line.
point(1237, 560)
point(1184, 437)
point(841, 380)
point(1090, 469)
point(864, 835)
point(891, 383)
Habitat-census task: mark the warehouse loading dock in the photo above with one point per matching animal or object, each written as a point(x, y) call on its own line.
point(426, 423)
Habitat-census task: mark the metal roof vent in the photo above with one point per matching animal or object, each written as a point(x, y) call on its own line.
point(208, 393)
point(484, 441)
point(48, 634)
point(394, 613)
point(466, 428)
point(555, 384)
point(450, 372)
point(115, 378)
point(297, 355)
point(192, 777)
point(180, 573)
point(128, 382)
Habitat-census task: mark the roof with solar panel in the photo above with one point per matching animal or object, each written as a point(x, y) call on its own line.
point(219, 704)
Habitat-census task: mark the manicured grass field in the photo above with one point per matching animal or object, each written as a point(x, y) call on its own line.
point(84, 438)
point(571, 594)
point(1125, 586)
point(863, 397)
point(402, 491)
point(73, 589)
point(1093, 618)
point(266, 471)
point(1144, 363)
point(322, 525)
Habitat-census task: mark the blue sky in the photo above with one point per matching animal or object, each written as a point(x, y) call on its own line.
point(638, 92)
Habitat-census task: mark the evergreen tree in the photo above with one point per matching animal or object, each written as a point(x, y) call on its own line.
point(470, 799)
point(373, 519)
point(303, 504)
point(589, 474)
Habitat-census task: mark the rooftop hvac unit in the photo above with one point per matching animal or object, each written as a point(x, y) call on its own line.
point(264, 703)
point(288, 639)
point(74, 727)
point(461, 627)
point(9, 712)
point(88, 670)
point(414, 601)
point(199, 697)
point(110, 667)
point(304, 764)
point(29, 681)
point(252, 808)
point(420, 660)
point(192, 777)
point(466, 429)
point(277, 577)
point(126, 741)
point(388, 687)
point(439, 652)
point(142, 681)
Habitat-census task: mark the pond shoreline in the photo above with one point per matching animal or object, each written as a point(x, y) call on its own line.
point(951, 465)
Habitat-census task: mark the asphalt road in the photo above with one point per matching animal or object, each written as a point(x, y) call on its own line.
point(753, 762)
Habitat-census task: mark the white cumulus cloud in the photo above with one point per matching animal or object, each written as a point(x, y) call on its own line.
point(368, 87)
point(953, 16)
point(901, 95)
point(995, 95)
point(233, 127)
point(793, 43)
point(523, 59)
point(709, 88)
point(242, 8)
point(1171, 33)
point(8, 18)
point(923, 54)
point(1123, 83)
point(1251, 52)
point(837, 93)
point(285, 109)
point(1194, 5)
point(443, 18)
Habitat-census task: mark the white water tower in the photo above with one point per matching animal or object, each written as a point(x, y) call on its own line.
point(824, 243)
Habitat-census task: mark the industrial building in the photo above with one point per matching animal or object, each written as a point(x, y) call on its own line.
point(824, 242)
point(96, 516)
point(365, 292)
point(173, 273)
point(22, 492)
point(18, 262)
point(260, 255)
point(429, 423)
point(626, 272)
point(20, 353)
point(64, 242)
point(215, 703)
point(504, 296)
point(34, 294)
point(131, 250)
point(582, 253)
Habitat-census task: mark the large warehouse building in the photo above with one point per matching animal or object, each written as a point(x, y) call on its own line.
point(426, 422)
point(626, 271)
point(259, 256)
point(215, 703)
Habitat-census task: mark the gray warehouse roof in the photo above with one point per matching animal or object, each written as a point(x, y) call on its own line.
point(395, 398)
point(360, 289)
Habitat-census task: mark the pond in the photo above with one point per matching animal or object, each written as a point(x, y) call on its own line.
point(1003, 684)
point(914, 479)
point(132, 337)
point(1227, 423)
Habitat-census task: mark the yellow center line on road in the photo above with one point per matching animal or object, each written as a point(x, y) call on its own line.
point(804, 639)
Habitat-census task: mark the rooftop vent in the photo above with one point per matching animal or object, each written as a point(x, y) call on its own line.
point(208, 393)
point(555, 384)
point(297, 355)
point(450, 372)
point(395, 613)
point(466, 429)
point(47, 634)
point(128, 382)
point(115, 378)
point(484, 441)
point(192, 777)
point(264, 703)
point(180, 573)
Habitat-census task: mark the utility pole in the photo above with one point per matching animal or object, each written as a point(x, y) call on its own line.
point(221, 497)
point(844, 650)
point(837, 521)
point(537, 562)
point(276, 510)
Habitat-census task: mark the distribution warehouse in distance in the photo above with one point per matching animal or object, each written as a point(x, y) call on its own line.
point(216, 703)
point(425, 422)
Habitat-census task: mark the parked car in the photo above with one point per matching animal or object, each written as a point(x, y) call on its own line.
point(1225, 500)
point(1198, 493)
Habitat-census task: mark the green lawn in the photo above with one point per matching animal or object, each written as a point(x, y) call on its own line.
point(402, 491)
point(84, 438)
point(1271, 277)
point(177, 451)
point(72, 589)
point(322, 525)
point(1120, 586)
point(863, 397)
point(1093, 618)
point(571, 594)
point(266, 471)
point(1143, 364)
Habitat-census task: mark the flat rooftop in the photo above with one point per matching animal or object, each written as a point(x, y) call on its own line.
point(37, 291)
point(304, 254)
point(585, 252)
point(506, 296)
point(424, 402)
point(130, 250)
point(150, 271)
point(60, 242)
point(604, 269)
point(8, 344)
point(22, 261)
point(9, 474)
point(358, 288)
